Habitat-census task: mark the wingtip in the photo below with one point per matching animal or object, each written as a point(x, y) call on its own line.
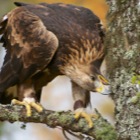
point(20, 4)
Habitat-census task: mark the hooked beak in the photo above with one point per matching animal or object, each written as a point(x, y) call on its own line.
point(103, 86)
point(103, 80)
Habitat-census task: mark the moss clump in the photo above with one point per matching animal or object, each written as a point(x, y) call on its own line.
point(106, 132)
point(135, 79)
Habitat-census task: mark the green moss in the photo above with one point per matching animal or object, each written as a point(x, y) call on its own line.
point(122, 1)
point(134, 99)
point(138, 95)
point(64, 119)
point(15, 115)
point(106, 132)
point(135, 79)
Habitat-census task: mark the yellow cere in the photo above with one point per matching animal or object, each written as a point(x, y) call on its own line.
point(100, 89)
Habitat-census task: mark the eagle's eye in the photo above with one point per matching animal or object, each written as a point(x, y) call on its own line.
point(93, 78)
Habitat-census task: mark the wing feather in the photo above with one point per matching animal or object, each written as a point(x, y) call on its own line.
point(30, 46)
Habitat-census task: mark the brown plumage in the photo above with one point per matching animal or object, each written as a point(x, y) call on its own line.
point(46, 40)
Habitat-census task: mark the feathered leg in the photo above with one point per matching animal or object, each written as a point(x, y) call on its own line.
point(27, 97)
point(82, 100)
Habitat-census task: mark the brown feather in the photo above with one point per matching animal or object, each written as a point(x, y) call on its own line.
point(27, 40)
point(47, 40)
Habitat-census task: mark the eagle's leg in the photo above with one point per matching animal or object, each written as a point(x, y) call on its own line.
point(82, 100)
point(27, 98)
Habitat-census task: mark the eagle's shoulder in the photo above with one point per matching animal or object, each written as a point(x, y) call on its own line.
point(24, 33)
point(29, 45)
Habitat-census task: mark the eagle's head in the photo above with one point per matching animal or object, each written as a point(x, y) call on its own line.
point(89, 78)
point(93, 80)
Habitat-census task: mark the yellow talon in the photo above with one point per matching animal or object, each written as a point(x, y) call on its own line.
point(36, 106)
point(28, 106)
point(14, 101)
point(81, 113)
point(94, 116)
point(77, 115)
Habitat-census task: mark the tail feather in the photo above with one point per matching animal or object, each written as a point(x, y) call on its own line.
point(6, 98)
point(8, 95)
point(8, 77)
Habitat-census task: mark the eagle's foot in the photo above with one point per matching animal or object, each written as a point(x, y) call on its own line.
point(88, 117)
point(28, 104)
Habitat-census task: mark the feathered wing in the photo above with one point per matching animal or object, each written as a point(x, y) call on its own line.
point(29, 45)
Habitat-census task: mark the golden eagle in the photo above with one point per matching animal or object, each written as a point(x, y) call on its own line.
point(43, 41)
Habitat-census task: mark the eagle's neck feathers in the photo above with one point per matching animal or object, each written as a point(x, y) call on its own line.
point(80, 57)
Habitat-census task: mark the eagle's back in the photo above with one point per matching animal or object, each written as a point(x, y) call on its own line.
point(72, 25)
point(63, 18)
